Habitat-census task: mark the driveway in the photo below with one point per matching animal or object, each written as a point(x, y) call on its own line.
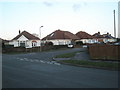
point(35, 70)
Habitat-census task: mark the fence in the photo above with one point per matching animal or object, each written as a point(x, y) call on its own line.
point(106, 52)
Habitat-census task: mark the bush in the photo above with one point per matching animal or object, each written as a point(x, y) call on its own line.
point(79, 43)
point(49, 43)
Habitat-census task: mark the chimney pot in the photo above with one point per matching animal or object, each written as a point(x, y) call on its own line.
point(19, 32)
point(98, 32)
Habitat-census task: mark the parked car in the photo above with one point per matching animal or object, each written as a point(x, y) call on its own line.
point(84, 46)
point(118, 43)
point(70, 45)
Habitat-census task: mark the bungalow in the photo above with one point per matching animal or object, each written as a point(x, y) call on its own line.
point(85, 37)
point(109, 38)
point(60, 37)
point(3, 41)
point(104, 38)
point(25, 39)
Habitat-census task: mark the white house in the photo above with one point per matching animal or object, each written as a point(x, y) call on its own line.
point(104, 38)
point(25, 39)
point(60, 37)
point(96, 38)
point(85, 37)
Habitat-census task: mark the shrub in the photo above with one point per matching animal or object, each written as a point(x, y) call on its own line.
point(79, 43)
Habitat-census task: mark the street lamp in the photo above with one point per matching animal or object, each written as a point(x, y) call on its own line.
point(40, 38)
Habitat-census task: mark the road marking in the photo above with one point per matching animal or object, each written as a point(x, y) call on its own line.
point(22, 59)
point(37, 60)
point(57, 63)
point(41, 61)
point(31, 60)
point(26, 60)
point(49, 63)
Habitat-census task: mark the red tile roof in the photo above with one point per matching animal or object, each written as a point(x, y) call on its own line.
point(84, 35)
point(59, 34)
point(27, 35)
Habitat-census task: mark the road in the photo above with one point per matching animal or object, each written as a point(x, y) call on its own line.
point(35, 70)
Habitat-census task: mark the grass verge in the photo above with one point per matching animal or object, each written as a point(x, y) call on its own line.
point(67, 55)
point(107, 65)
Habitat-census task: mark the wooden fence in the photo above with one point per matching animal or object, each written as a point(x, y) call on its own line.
point(106, 52)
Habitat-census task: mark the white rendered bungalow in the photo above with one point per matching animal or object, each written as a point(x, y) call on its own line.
point(104, 38)
point(85, 37)
point(25, 39)
point(60, 37)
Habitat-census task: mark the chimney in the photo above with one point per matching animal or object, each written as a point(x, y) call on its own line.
point(99, 33)
point(19, 32)
point(107, 33)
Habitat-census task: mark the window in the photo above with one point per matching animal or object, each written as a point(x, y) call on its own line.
point(34, 44)
point(61, 43)
point(22, 43)
point(51, 34)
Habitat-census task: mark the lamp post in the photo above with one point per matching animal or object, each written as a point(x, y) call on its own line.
point(40, 38)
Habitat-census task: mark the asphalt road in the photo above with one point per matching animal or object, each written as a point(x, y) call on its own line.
point(36, 70)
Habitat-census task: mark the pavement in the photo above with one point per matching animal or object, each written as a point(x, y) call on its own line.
point(83, 55)
point(37, 70)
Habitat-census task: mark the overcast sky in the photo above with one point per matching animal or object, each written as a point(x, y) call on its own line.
point(68, 15)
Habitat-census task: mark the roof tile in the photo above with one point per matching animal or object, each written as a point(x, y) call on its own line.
point(84, 35)
point(59, 34)
point(27, 35)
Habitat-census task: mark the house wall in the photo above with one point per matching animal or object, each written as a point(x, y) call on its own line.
point(28, 43)
point(14, 42)
point(11, 43)
point(89, 40)
point(22, 38)
point(112, 40)
point(105, 40)
point(60, 41)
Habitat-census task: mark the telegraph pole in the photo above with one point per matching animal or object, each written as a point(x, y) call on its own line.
point(119, 19)
point(114, 25)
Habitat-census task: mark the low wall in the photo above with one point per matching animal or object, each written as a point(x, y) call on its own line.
point(106, 52)
point(34, 49)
